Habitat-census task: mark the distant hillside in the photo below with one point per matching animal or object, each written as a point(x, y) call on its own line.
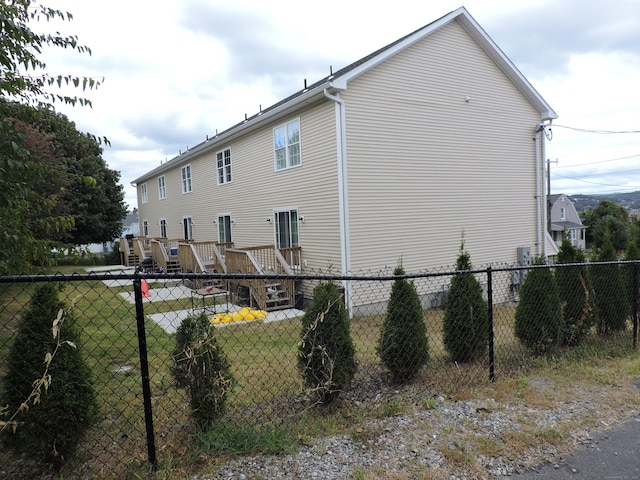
point(583, 202)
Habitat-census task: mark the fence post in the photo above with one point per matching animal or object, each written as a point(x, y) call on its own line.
point(144, 371)
point(634, 283)
point(492, 359)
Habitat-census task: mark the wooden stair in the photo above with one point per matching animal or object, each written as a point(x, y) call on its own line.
point(277, 297)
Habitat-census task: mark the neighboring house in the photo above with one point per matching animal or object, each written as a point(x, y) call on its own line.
point(564, 221)
point(387, 160)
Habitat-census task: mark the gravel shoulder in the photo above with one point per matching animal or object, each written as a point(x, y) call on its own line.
point(508, 429)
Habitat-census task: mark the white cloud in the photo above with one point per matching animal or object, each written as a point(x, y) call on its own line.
point(177, 71)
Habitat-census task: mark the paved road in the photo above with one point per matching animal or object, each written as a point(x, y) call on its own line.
point(611, 455)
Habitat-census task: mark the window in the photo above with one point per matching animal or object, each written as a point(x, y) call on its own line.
point(224, 166)
point(563, 214)
point(224, 228)
point(143, 193)
point(162, 188)
point(163, 228)
point(186, 179)
point(287, 229)
point(187, 224)
point(145, 228)
point(286, 141)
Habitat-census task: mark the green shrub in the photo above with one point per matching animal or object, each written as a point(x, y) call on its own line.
point(201, 367)
point(609, 286)
point(326, 353)
point(403, 345)
point(538, 323)
point(466, 319)
point(576, 295)
point(64, 407)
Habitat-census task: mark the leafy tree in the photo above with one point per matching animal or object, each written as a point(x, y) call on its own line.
point(23, 77)
point(201, 367)
point(607, 214)
point(326, 354)
point(608, 283)
point(466, 319)
point(538, 323)
point(403, 345)
point(576, 295)
point(63, 407)
point(91, 194)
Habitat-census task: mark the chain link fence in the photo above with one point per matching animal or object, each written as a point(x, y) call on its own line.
point(128, 320)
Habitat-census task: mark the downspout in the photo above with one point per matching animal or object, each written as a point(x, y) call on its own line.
point(545, 207)
point(343, 195)
point(540, 237)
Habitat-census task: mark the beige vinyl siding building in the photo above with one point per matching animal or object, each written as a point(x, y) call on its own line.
point(400, 152)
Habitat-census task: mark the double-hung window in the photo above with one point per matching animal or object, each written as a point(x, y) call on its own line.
point(162, 188)
point(286, 142)
point(186, 179)
point(144, 197)
point(223, 160)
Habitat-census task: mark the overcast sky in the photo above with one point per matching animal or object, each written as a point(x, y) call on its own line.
point(177, 71)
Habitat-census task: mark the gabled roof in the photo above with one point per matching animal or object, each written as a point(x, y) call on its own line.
point(338, 81)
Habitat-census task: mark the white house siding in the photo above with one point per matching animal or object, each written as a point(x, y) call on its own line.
point(426, 165)
point(257, 189)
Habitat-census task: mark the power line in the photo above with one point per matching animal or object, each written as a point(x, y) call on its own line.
point(597, 183)
point(599, 161)
point(598, 132)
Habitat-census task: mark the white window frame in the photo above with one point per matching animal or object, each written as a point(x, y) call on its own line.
point(144, 195)
point(187, 228)
point(224, 228)
point(223, 166)
point(563, 213)
point(145, 228)
point(185, 175)
point(287, 145)
point(162, 187)
point(163, 227)
point(291, 228)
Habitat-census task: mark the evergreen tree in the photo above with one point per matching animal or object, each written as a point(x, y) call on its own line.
point(64, 407)
point(466, 319)
point(201, 367)
point(403, 346)
point(576, 295)
point(609, 286)
point(326, 353)
point(538, 323)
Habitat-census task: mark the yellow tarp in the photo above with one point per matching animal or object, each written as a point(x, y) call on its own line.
point(242, 315)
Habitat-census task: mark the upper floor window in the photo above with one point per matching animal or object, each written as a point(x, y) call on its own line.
point(563, 214)
point(286, 141)
point(224, 166)
point(162, 188)
point(143, 193)
point(186, 179)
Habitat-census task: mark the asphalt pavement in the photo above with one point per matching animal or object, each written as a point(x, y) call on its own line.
point(608, 455)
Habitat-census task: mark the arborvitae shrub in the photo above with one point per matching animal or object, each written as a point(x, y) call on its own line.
point(466, 319)
point(50, 430)
point(326, 353)
point(609, 286)
point(403, 345)
point(201, 367)
point(576, 295)
point(538, 323)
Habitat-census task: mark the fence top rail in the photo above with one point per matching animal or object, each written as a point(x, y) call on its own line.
point(328, 276)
